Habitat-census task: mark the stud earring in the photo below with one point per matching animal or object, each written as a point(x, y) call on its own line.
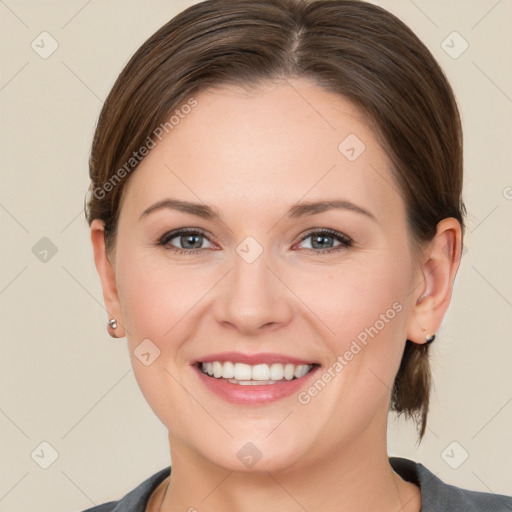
point(428, 339)
point(111, 327)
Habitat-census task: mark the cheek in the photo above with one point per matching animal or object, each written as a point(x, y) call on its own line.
point(363, 298)
point(365, 308)
point(156, 296)
point(157, 303)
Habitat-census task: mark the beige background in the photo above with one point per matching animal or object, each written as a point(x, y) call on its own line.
point(66, 383)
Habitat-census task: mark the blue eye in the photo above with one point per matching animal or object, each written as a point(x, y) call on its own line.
point(191, 241)
point(324, 239)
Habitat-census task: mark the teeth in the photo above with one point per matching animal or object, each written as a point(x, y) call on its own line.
point(217, 369)
point(277, 371)
point(245, 374)
point(261, 372)
point(289, 371)
point(228, 370)
point(242, 371)
point(300, 371)
point(251, 382)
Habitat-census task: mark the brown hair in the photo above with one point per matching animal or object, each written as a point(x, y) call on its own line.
point(349, 47)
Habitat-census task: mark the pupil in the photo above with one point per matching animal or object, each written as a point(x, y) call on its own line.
point(190, 239)
point(320, 239)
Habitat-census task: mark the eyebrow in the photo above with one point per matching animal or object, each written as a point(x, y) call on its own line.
point(298, 210)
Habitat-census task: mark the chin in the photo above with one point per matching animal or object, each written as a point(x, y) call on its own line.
point(246, 456)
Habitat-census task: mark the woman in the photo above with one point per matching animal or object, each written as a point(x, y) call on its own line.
point(277, 221)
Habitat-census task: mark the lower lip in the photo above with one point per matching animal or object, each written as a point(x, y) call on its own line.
point(254, 394)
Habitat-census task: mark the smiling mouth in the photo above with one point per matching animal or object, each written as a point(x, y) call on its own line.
point(255, 375)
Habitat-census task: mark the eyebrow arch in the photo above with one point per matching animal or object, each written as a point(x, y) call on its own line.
point(198, 209)
point(298, 210)
point(311, 208)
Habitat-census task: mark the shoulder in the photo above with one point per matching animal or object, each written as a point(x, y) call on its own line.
point(137, 499)
point(437, 496)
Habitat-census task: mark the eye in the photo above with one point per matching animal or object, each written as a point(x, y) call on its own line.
point(183, 241)
point(192, 241)
point(325, 240)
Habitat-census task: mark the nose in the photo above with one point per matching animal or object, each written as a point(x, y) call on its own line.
point(253, 298)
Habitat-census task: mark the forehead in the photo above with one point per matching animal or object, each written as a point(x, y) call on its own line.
point(277, 142)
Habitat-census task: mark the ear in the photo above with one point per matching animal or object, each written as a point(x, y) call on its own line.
point(439, 266)
point(106, 272)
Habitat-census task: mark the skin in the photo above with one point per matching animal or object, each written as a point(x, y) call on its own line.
point(252, 155)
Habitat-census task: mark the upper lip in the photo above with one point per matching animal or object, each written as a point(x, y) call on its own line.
point(251, 359)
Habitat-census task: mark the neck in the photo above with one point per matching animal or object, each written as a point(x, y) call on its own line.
point(355, 477)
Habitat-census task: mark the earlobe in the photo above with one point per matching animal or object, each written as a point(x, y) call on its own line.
point(107, 275)
point(438, 270)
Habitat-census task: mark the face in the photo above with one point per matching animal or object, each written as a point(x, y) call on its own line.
point(257, 276)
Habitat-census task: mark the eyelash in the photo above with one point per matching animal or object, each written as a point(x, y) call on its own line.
point(345, 241)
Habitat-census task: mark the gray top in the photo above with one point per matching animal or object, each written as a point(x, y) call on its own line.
point(436, 496)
